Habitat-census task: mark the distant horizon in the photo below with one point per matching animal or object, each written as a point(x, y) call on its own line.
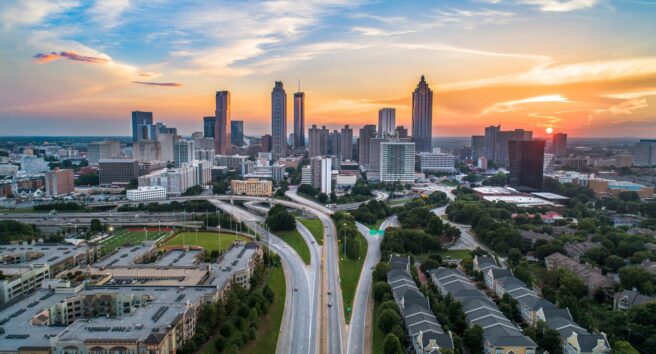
point(256, 136)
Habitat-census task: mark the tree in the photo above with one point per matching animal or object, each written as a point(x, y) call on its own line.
point(473, 339)
point(96, 225)
point(279, 219)
point(623, 347)
point(392, 345)
point(193, 190)
point(306, 189)
point(322, 198)
point(387, 319)
point(381, 289)
point(435, 226)
point(380, 272)
point(614, 262)
point(429, 264)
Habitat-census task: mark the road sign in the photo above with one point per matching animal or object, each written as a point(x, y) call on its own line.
point(381, 233)
point(373, 232)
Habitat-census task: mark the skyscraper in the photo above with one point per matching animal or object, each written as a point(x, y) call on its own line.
point(491, 141)
point(237, 132)
point(559, 144)
point(334, 143)
point(266, 143)
point(644, 152)
point(208, 126)
point(183, 151)
point(346, 144)
point(397, 161)
point(422, 116)
point(526, 164)
point(318, 141)
point(502, 139)
point(140, 119)
point(386, 121)
point(299, 120)
point(278, 121)
point(222, 136)
point(401, 132)
point(367, 132)
point(478, 146)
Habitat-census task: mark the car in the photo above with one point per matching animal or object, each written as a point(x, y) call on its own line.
point(372, 267)
point(330, 304)
point(295, 289)
point(330, 292)
point(312, 242)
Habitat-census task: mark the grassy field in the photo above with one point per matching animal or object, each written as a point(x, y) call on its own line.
point(349, 272)
point(316, 228)
point(455, 254)
point(208, 240)
point(130, 236)
point(296, 241)
point(269, 326)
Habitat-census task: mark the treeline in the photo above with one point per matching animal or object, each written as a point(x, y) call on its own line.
point(388, 315)
point(372, 211)
point(60, 206)
point(347, 232)
point(188, 206)
point(280, 219)
point(233, 321)
point(11, 230)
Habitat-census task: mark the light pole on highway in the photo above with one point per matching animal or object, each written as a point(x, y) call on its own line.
point(344, 236)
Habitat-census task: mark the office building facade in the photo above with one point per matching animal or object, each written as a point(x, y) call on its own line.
point(237, 132)
point(59, 182)
point(477, 146)
point(117, 171)
point(437, 161)
point(99, 150)
point(401, 132)
point(278, 121)
point(367, 133)
point(346, 143)
point(209, 124)
point(386, 121)
point(397, 161)
point(644, 152)
point(139, 120)
point(526, 164)
point(299, 120)
point(422, 116)
point(491, 141)
point(559, 144)
point(222, 134)
point(318, 141)
point(183, 151)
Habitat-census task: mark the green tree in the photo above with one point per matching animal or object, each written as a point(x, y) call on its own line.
point(381, 290)
point(322, 198)
point(96, 225)
point(387, 319)
point(623, 347)
point(279, 219)
point(435, 226)
point(473, 339)
point(392, 345)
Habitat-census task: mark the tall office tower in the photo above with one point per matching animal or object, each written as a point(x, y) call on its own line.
point(266, 143)
point(299, 120)
point(346, 144)
point(278, 121)
point(401, 132)
point(386, 121)
point(183, 151)
point(477, 146)
point(366, 133)
point(397, 161)
point(209, 123)
point(559, 144)
point(422, 116)
point(491, 141)
point(526, 164)
point(502, 139)
point(222, 136)
point(237, 132)
point(318, 141)
point(374, 154)
point(59, 182)
point(140, 119)
point(644, 152)
point(333, 143)
point(321, 173)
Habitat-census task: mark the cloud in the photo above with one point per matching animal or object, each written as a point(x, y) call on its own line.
point(108, 13)
point(32, 11)
point(48, 57)
point(455, 49)
point(509, 106)
point(560, 5)
point(471, 18)
point(372, 31)
point(632, 95)
point(164, 84)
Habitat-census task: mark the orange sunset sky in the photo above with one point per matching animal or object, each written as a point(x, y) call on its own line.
point(586, 67)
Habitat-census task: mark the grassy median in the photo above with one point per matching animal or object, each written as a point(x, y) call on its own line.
point(296, 241)
point(316, 228)
point(349, 272)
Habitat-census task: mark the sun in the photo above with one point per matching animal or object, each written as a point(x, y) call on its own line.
point(549, 130)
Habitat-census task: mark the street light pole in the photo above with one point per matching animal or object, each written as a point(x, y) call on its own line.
point(344, 236)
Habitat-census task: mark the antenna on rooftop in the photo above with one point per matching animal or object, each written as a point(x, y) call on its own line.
point(299, 85)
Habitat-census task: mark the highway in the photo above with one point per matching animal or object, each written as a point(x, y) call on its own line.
point(299, 327)
point(360, 326)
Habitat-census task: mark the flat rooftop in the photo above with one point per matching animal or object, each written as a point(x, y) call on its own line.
point(522, 201)
point(125, 256)
point(549, 196)
point(493, 190)
point(234, 260)
point(21, 256)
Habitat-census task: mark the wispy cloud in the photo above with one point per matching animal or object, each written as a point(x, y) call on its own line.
point(442, 47)
point(32, 11)
point(108, 13)
point(471, 18)
point(373, 31)
point(48, 57)
point(509, 106)
point(560, 5)
point(164, 84)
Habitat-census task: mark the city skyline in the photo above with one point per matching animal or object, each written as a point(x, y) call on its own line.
point(583, 67)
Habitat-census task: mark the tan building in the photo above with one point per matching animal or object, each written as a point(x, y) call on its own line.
point(59, 182)
point(252, 187)
point(605, 188)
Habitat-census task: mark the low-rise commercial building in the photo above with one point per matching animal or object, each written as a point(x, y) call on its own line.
point(146, 193)
point(437, 161)
point(252, 187)
point(118, 171)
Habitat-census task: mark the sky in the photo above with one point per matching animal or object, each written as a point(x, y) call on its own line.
point(583, 67)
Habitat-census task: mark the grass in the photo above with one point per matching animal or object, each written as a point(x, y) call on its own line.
point(296, 241)
point(378, 335)
point(269, 326)
point(316, 228)
point(129, 236)
point(349, 272)
point(455, 254)
point(208, 240)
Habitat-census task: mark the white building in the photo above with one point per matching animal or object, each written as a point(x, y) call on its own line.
point(178, 180)
point(397, 161)
point(146, 193)
point(33, 164)
point(232, 161)
point(8, 169)
point(482, 163)
point(306, 175)
point(204, 154)
point(437, 161)
point(326, 174)
point(342, 181)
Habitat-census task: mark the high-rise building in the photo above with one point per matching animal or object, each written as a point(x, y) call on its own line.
point(386, 121)
point(318, 141)
point(437, 161)
point(237, 132)
point(422, 116)
point(183, 151)
point(526, 164)
point(103, 150)
point(222, 135)
point(491, 141)
point(209, 124)
point(266, 143)
point(397, 161)
point(367, 132)
point(374, 154)
point(401, 132)
point(321, 173)
point(559, 144)
point(477, 146)
point(140, 119)
point(59, 182)
point(278, 121)
point(502, 139)
point(346, 144)
point(146, 150)
point(644, 152)
point(117, 171)
point(299, 120)
point(334, 143)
